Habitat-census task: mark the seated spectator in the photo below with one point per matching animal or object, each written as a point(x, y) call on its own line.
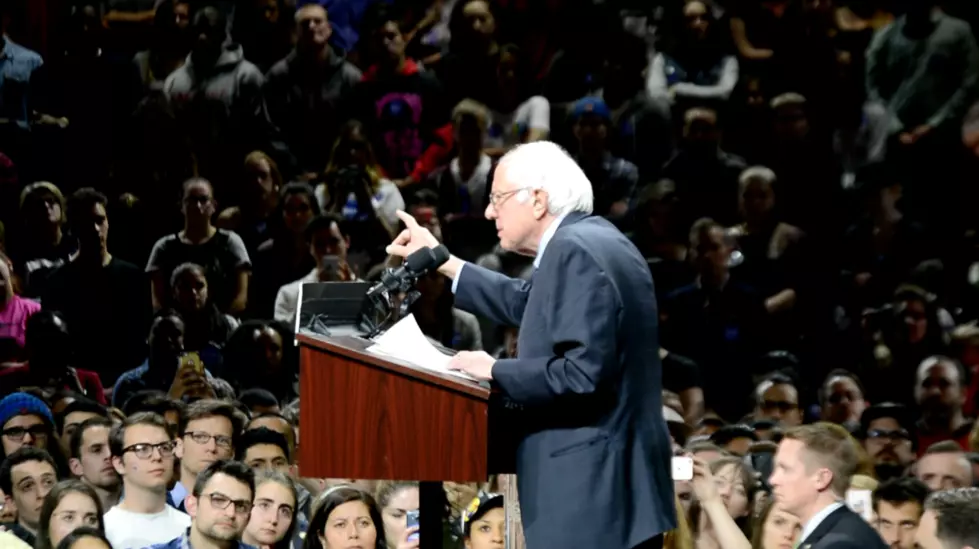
point(614, 180)
point(169, 44)
point(468, 68)
point(206, 434)
point(222, 484)
point(464, 183)
point(328, 245)
point(402, 106)
point(259, 401)
point(217, 98)
point(67, 421)
point(439, 319)
point(206, 329)
point(898, 506)
point(944, 466)
point(221, 253)
point(263, 449)
point(697, 68)
point(91, 460)
point(262, 354)
point(25, 420)
point(692, 317)
point(69, 505)
point(706, 176)
point(939, 393)
point(143, 454)
point(33, 472)
point(734, 439)
point(98, 294)
point(660, 235)
point(48, 366)
point(286, 257)
point(264, 28)
point(775, 528)
point(769, 247)
point(483, 522)
point(14, 312)
point(841, 398)
point(947, 520)
point(355, 189)
point(344, 514)
point(777, 400)
point(726, 511)
point(516, 116)
point(274, 520)
point(304, 91)
point(395, 500)
point(158, 403)
point(85, 538)
point(159, 372)
point(43, 246)
point(257, 198)
point(888, 438)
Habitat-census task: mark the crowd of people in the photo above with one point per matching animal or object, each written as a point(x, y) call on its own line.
point(796, 172)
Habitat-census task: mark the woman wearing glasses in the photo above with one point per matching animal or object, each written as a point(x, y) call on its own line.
point(143, 453)
point(70, 505)
point(273, 519)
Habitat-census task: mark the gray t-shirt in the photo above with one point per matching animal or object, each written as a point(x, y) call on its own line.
point(221, 257)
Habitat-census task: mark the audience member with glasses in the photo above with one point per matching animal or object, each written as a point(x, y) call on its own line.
point(220, 506)
point(273, 521)
point(24, 421)
point(70, 505)
point(143, 451)
point(207, 430)
point(26, 477)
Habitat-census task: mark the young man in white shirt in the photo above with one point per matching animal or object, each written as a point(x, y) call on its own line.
point(142, 453)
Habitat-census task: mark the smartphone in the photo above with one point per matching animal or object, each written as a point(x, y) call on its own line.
point(192, 361)
point(412, 518)
point(682, 467)
point(331, 264)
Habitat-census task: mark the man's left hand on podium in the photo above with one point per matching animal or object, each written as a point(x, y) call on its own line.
point(477, 364)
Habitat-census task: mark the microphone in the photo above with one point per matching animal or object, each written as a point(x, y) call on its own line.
point(416, 264)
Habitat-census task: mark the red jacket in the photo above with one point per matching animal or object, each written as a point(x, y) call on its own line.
point(15, 376)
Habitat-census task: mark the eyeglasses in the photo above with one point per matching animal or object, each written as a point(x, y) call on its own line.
point(200, 437)
point(780, 405)
point(497, 199)
point(17, 433)
point(897, 435)
point(144, 450)
point(221, 501)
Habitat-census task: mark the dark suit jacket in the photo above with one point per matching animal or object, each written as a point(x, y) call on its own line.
point(593, 458)
point(843, 529)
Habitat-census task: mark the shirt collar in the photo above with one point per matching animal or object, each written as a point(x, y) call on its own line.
point(546, 238)
point(817, 519)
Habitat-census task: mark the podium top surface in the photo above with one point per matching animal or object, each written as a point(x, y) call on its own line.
point(356, 348)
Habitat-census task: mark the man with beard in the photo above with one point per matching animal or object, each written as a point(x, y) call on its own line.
point(940, 390)
point(888, 439)
point(219, 506)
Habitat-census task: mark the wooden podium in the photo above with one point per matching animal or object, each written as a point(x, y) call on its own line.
point(367, 416)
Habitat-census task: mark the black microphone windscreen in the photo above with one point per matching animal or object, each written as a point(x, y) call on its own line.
point(441, 255)
point(420, 261)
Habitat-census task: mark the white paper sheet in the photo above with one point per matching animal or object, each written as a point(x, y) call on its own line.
point(406, 341)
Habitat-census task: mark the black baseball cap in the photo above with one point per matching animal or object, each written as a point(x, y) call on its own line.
point(479, 506)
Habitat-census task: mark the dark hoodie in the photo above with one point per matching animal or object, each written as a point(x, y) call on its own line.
point(407, 119)
point(223, 110)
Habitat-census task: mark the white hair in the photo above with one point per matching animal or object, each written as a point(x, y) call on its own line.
point(760, 174)
point(546, 166)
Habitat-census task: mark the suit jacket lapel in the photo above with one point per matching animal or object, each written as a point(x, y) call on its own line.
point(824, 528)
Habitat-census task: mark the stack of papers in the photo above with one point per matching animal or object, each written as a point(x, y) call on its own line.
point(405, 341)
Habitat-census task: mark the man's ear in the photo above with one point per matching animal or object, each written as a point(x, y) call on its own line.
point(190, 504)
point(178, 450)
point(824, 478)
point(118, 466)
point(76, 467)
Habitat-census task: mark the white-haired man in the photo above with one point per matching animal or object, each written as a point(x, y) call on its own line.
point(593, 460)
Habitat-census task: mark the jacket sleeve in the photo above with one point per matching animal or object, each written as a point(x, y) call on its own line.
point(490, 294)
point(581, 312)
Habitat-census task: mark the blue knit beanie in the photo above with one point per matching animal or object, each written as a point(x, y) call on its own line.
point(21, 404)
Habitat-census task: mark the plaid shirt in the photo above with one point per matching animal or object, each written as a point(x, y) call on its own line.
point(183, 542)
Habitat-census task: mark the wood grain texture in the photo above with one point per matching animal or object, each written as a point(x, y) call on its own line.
point(364, 416)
